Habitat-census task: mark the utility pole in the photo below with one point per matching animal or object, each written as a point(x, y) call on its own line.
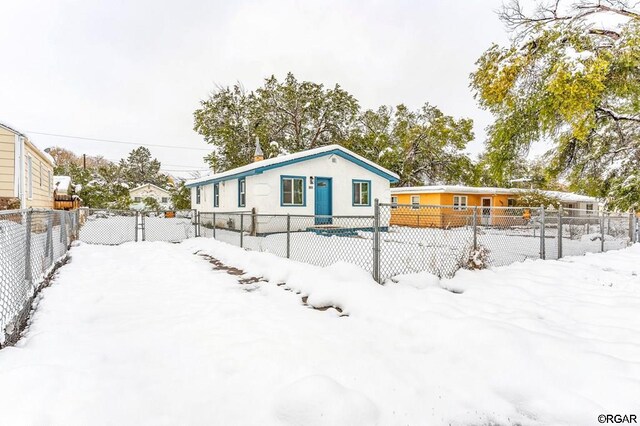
point(84, 161)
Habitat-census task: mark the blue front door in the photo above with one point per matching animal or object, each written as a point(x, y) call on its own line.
point(323, 200)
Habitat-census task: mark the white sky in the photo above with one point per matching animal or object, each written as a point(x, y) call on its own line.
point(136, 70)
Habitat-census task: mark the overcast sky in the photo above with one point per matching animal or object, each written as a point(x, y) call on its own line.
point(136, 70)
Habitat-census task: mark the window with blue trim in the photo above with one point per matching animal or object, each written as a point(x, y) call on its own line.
point(242, 192)
point(361, 193)
point(197, 195)
point(292, 191)
point(216, 195)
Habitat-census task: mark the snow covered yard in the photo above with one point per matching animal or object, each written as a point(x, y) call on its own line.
point(149, 333)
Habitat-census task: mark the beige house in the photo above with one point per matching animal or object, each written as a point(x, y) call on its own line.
point(26, 173)
point(162, 196)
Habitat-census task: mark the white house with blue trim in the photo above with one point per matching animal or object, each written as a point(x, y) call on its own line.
point(326, 181)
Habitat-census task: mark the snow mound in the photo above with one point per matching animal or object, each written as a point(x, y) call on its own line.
point(419, 280)
point(320, 400)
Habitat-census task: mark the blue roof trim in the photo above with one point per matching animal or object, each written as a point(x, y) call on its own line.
point(259, 170)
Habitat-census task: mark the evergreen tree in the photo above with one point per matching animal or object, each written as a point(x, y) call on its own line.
point(288, 116)
point(140, 168)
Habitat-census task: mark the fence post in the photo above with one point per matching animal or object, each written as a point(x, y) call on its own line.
point(560, 231)
point(288, 236)
point(241, 229)
point(63, 232)
point(198, 230)
point(214, 225)
point(376, 240)
point(631, 227)
point(602, 232)
point(27, 256)
point(77, 224)
point(144, 232)
point(542, 232)
point(254, 226)
point(49, 243)
point(475, 228)
point(135, 237)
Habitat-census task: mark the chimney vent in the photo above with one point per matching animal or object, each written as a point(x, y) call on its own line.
point(258, 155)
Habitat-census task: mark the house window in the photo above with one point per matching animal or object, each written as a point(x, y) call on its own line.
point(197, 195)
point(511, 202)
point(292, 190)
point(415, 202)
point(459, 202)
point(394, 202)
point(30, 177)
point(216, 195)
point(361, 192)
point(137, 199)
point(589, 208)
point(242, 192)
point(165, 200)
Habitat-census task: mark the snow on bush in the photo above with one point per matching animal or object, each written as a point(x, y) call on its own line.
point(477, 258)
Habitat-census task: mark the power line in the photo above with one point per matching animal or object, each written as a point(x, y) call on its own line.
point(117, 141)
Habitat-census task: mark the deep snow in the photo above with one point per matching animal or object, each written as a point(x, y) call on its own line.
point(148, 333)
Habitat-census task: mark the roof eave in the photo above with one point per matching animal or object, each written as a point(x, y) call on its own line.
point(390, 176)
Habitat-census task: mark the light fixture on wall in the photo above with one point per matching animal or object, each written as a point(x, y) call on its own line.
point(311, 180)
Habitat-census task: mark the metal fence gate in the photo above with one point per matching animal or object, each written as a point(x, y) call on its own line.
point(113, 227)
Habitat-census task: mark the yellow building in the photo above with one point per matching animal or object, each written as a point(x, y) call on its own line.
point(452, 206)
point(26, 173)
point(446, 206)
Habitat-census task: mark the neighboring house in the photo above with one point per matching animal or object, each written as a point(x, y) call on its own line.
point(324, 182)
point(582, 204)
point(26, 173)
point(162, 196)
point(451, 205)
point(63, 194)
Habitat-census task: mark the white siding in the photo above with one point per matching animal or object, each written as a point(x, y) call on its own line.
point(263, 190)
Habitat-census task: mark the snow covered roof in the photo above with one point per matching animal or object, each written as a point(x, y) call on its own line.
point(571, 197)
point(567, 197)
point(61, 184)
point(457, 189)
point(283, 160)
point(12, 129)
point(148, 185)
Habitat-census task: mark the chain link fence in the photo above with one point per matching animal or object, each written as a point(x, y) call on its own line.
point(397, 239)
point(440, 240)
point(319, 240)
point(114, 227)
point(32, 242)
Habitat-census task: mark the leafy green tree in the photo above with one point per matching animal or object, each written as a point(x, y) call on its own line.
point(568, 80)
point(536, 198)
point(151, 203)
point(180, 196)
point(423, 147)
point(291, 116)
